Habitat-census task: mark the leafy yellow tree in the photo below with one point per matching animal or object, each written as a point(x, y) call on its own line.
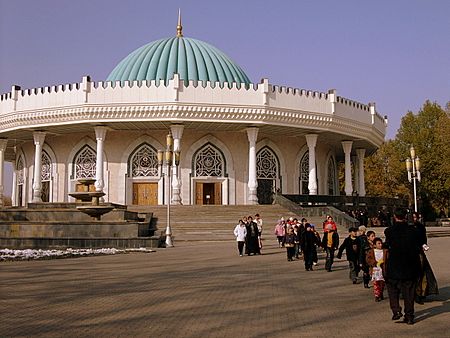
point(384, 173)
point(442, 184)
point(429, 132)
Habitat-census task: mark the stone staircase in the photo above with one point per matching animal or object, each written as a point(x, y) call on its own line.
point(214, 222)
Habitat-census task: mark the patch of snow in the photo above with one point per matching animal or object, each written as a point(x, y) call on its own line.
point(33, 254)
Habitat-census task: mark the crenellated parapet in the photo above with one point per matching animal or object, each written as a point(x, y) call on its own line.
point(174, 100)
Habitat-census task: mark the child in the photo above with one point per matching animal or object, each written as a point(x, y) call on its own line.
point(329, 223)
point(240, 232)
point(375, 259)
point(289, 243)
point(280, 232)
point(351, 247)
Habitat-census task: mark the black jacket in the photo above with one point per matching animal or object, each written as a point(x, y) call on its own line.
point(309, 241)
point(351, 247)
point(403, 243)
point(422, 232)
point(364, 247)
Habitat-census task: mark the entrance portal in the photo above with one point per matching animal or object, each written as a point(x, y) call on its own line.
point(208, 193)
point(145, 193)
point(265, 191)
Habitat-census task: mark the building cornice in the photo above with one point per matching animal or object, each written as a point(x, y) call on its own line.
point(261, 104)
point(46, 118)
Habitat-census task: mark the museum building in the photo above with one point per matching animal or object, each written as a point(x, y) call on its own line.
point(239, 141)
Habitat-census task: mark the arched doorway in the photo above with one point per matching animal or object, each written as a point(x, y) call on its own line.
point(84, 165)
point(332, 182)
point(267, 172)
point(20, 174)
point(143, 170)
point(209, 172)
point(46, 177)
point(304, 174)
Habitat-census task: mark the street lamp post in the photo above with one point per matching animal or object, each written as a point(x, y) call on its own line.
point(413, 168)
point(167, 157)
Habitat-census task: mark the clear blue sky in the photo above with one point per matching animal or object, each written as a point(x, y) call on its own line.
point(393, 52)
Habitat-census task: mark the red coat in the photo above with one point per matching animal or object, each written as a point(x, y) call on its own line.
point(326, 225)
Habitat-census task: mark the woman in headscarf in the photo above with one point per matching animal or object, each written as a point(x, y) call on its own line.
point(427, 284)
point(252, 238)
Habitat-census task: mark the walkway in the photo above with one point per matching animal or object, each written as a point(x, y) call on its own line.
point(204, 290)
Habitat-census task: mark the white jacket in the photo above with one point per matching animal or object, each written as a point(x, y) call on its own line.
point(240, 232)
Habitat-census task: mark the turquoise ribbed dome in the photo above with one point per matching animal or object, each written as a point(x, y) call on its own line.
point(190, 58)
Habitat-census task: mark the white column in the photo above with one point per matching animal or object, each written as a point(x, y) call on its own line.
point(14, 187)
point(252, 134)
point(311, 140)
point(362, 185)
point(39, 138)
point(100, 134)
point(347, 146)
point(355, 174)
point(3, 143)
point(177, 133)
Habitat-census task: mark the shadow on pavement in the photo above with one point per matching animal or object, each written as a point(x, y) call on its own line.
point(444, 297)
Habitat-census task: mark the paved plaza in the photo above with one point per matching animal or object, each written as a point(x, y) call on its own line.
point(205, 290)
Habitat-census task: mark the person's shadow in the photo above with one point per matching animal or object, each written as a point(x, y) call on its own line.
point(444, 297)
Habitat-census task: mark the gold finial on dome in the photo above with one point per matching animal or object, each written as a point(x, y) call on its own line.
point(179, 27)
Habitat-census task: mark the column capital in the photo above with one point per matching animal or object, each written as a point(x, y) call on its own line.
point(177, 130)
point(100, 132)
point(360, 152)
point(39, 137)
point(3, 143)
point(311, 140)
point(347, 146)
point(252, 134)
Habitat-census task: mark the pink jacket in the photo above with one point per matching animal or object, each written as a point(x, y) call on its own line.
point(279, 229)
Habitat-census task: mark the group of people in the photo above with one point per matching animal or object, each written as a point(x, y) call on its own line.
point(302, 238)
point(248, 233)
point(399, 263)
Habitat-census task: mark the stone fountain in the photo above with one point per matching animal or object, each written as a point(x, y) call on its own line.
point(87, 223)
point(95, 210)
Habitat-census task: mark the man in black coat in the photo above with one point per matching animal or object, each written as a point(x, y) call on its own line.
point(403, 265)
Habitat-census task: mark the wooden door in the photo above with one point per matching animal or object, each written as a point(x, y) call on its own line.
point(145, 193)
point(218, 193)
point(198, 193)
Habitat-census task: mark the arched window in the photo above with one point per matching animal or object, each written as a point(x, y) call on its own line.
point(143, 162)
point(46, 173)
point(46, 176)
point(331, 177)
point(266, 164)
point(209, 161)
point(85, 163)
point(20, 181)
point(304, 173)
